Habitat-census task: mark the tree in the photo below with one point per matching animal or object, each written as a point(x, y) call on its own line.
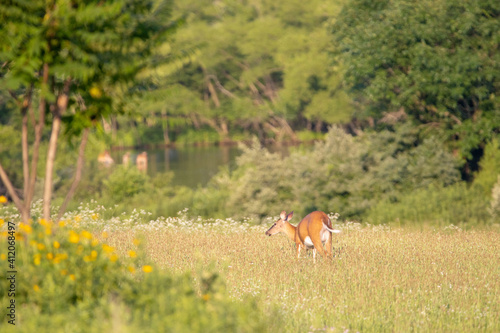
point(436, 61)
point(262, 66)
point(65, 59)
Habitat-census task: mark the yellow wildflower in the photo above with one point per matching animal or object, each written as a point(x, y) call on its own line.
point(131, 269)
point(64, 272)
point(73, 237)
point(205, 297)
point(50, 256)
point(37, 259)
point(95, 216)
point(113, 257)
point(78, 218)
point(56, 245)
point(36, 288)
point(1, 222)
point(40, 246)
point(44, 222)
point(62, 223)
point(95, 92)
point(61, 256)
point(25, 227)
point(94, 242)
point(3, 256)
point(132, 254)
point(72, 277)
point(48, 231)
point(107, 248)
point(86, 234)
point(147, 269)
point(136, 242)
point(3, 199)
point(104, 234)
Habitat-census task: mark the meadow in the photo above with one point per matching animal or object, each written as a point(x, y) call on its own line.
point(381, 279)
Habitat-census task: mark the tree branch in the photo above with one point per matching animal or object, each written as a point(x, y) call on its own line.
point(10, 188)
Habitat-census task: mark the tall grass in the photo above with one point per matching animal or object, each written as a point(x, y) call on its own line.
point(380, 279)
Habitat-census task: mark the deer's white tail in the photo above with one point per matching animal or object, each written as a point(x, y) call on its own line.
point(335, 231)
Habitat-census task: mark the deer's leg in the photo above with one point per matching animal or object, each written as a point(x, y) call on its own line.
point(318, 245)
point(328, 246)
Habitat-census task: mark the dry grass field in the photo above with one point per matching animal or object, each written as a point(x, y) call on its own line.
point(381, 279)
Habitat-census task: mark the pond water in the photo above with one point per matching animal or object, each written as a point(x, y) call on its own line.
point(193, 166)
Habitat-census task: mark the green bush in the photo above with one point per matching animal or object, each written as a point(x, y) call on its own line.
point(456, 204)
point(70, 281)
point(344, 174)
point(125, 182)
point(489, 167)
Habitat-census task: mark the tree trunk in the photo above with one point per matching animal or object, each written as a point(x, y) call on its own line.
point(10, 188)
point(62, 103)
point(78, 172)
point(213, 93)
point(286, 127)
point(319, 126)
point(164, 117)
point(224, 130)
point(49, 166)
point(106, 126)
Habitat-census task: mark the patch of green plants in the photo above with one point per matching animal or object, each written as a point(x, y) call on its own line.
point(71, 280)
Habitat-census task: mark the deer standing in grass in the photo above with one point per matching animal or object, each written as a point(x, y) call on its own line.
point(311, 233)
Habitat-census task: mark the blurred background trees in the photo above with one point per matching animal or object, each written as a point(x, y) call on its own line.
point(404, 96)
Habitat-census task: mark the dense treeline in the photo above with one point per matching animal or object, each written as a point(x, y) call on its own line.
point(410, 88)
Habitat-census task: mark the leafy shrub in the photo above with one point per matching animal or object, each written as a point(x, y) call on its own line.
point(454, 204)
point(494, 208)
point(125, 182)
point(489, 167)
point(72, 281)
point(342, 173)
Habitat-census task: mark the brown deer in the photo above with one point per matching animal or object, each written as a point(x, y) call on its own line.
point(105, 159)
point(142, 161)
point(311, 233)
point(126, 158)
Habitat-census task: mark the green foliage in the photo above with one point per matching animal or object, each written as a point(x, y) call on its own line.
point(11, 159)
point(125, 182)
point(342, 174)
point(436, 60)
point(489, 167)
point(458, 204)
point(202, 136)
point(76, 282)
point(96, 45)
point(494, 208)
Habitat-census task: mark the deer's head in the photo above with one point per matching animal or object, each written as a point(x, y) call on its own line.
point(279, 226)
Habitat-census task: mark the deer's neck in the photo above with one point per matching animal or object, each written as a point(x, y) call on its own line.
point(290, 231)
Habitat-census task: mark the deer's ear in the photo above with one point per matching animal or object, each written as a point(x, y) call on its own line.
point(283, 215)
point(289, 217)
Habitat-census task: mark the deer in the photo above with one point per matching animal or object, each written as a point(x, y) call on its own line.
point(142, 161)
point(105, 159)
point(314, 231)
